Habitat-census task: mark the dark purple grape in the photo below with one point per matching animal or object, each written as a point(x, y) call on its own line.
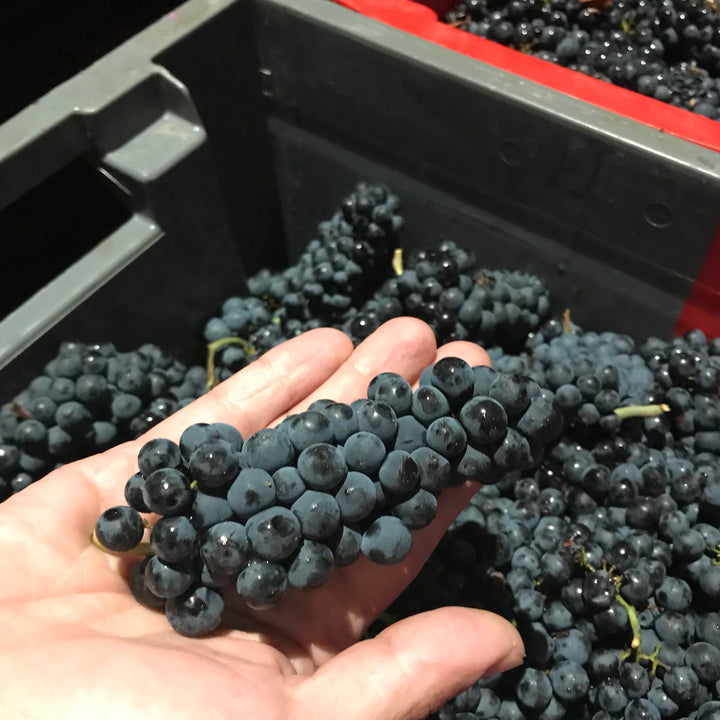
point(195, 613)
point(119, 528)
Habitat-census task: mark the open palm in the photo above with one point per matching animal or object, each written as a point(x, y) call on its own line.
point(74, 643)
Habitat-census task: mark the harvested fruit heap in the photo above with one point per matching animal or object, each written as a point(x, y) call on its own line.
point(291, 503)
point(352, 277)
point(668, 50)
point(602, 545)
point(91, 397)
point(606, 555)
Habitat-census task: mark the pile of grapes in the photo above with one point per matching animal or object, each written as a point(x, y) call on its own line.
point(666, 49)
point(89, 398)
point(597, 527)
point(606, 556)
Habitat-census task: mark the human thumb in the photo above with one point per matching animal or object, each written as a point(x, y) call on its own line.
point(411, 668)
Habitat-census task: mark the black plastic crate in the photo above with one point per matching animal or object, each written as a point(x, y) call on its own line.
point(218, 137)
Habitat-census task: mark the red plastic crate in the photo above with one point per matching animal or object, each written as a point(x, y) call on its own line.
point(422, 19)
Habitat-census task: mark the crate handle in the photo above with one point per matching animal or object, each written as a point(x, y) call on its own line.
point(132, 137)
point(59, 297)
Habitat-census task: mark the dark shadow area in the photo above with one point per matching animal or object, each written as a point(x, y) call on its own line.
point(49, 228)
point(45, 44)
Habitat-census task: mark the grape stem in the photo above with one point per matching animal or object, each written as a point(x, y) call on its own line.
point(213, 347)
point(635, 650)
point(397, 261)
point(567, 324)
point(632, 617)
point(583, 559)
point(636, 411)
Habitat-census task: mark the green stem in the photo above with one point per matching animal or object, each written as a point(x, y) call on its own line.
point(584, 559)
point(213, 347)
point(634, 623)
point(397, 261)
point(636, 411)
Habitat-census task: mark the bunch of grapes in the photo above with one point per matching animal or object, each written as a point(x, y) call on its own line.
point(347, 260)
point(288, 505)
point(458, 301)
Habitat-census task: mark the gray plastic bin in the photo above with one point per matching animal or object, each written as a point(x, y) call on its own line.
point(230, 127)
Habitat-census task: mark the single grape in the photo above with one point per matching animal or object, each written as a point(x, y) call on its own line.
point(268, 450)
point(195, 613)
point(262, 583)
point(418, 511)
point(229, 434)
point(309, 428)
point(455, 379)
point(274, 533)
point(682, 685)
point(167, 491)
point(512, 391)
point(428, 404)
point(513, 453)
point(356, 497)
point(322, 466)
point(435, 470)
point(634, 679)
point(158, 453)
point(73, 417)
point(134, 493)
point(174, 538)
point(119, 528)
point(399, 473)
point(193, 436)
point(541, 421)
point(611, 697)
point(569, 681)
point(704, 659)
point(224, 548)
point(208, 510)
point(534, 690)
point(378, 418)
point(411, 434)
point(289, 486)
point(364, 452)
point(484, 420)
point(213, 464)
point(312, 565)
point(252, 491)
point(395, 391)
point(168, 580)
point(318, 513)
point(343, 421)
point(674, 594)
point(387, 541)
point(447, 437)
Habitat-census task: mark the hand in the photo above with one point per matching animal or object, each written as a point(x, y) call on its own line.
point(75, 644)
